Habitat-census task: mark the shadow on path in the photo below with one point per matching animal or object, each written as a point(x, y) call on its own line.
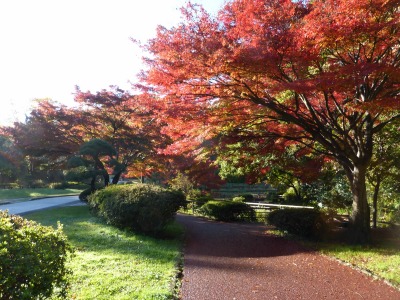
point(234, 239)
point(240, 261)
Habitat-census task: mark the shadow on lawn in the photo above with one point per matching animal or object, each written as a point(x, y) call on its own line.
point(91, 234)
point(387, 238)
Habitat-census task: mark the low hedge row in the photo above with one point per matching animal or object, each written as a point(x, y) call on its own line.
point(309, 223)
point(32, 259)
point(228, 211)
point(140, 207)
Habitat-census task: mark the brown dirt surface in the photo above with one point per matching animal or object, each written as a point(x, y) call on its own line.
point(243, 262)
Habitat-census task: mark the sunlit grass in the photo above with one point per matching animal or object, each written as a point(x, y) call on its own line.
point(31, 193)
point(114, 264)
point(383, 262)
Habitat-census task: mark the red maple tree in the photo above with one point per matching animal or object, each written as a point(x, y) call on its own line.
point(323, 74)
point(127, 123)
point(53, 132)
point(49, 135)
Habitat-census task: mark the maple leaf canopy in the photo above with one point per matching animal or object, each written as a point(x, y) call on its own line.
point(323, 74)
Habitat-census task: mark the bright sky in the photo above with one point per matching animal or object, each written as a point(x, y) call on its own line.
point(49, 46)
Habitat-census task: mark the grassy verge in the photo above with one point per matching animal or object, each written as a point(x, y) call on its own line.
point(32, 193)
point(114, 264)
point(380, 259)
point(381, 262)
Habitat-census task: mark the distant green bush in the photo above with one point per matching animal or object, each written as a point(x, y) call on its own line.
point(308, 223)
point(198, 202)
point(67, 185)
point(32, 259)
point(59, 185)
point(228, 211)
point(243, 198)
point(140, 207)
point(13, 185)
point(247, 197)
point(35, 184)
point(238, 199)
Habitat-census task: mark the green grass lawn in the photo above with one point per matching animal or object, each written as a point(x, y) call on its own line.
point(112, 264)
point(32, 193)
point(381, 258)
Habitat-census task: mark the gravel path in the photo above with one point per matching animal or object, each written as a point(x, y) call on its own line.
point(240, 261)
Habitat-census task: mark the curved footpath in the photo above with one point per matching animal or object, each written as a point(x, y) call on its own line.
point(21, 208)
point(242, 262)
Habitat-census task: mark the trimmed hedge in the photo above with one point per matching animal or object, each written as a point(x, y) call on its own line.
point(228, 211)
point(247, 197)
point(198, 202)
point(238, 199)
point(32, 259)
point(308, 223)
point(140, 207)
point(243, 198)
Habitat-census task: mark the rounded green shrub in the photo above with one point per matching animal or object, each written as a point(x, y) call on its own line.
point(238, 199)
point(83, 196)
point(57, 185)
point(243, 198)
point(32, 259)
point(140, 207)
point(228, 211)
point(198, 202)
point(67, 185)
point(247, 197)
point(309, 223)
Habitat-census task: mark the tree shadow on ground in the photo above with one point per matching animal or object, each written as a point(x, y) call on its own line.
point(91, 234)
point(237, 240)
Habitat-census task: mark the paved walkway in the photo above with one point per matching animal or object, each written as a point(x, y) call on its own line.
point(21, 208)
point(239, 261)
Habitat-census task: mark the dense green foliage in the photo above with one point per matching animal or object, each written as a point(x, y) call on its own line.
point(195, 196)
point(32, 259)
point(247, 197)
point(228, 211)
point(304, 222)
point(141, 207)
point(243, 198)
point(238, 199)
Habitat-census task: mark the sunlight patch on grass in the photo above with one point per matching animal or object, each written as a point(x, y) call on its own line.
point(113, 264)
point(383, 262)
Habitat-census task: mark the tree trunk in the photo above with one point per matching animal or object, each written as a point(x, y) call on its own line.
point(297, 193)
point(116, 177)
point(93, 184)
point(100, 166)
point(375, 202)
point(106, 178)
point(360, 218)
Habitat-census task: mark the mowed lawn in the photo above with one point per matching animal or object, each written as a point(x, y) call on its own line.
point(380, 260)
point(113, 264)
